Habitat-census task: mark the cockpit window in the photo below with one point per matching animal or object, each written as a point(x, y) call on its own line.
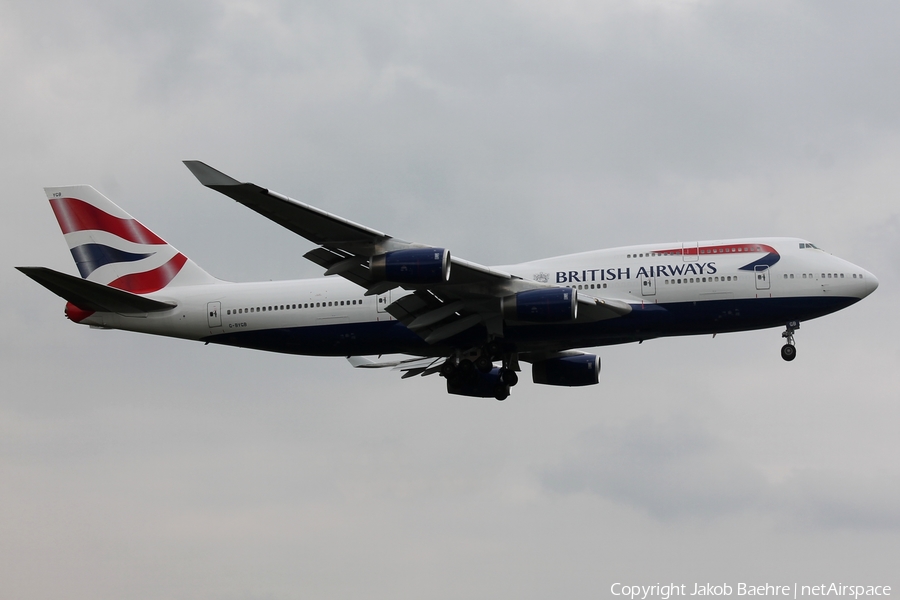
point(808, 245)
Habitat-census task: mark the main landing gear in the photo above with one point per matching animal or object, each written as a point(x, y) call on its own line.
point(788, 351)
point(467, 367)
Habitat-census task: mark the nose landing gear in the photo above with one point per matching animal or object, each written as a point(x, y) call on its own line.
point(788, 351)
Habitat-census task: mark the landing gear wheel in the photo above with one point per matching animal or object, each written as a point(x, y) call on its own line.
point(465, 370)
point(448, 369)
point(509, 377)
point(484, 364)
point(501, 392)
point(788, 352)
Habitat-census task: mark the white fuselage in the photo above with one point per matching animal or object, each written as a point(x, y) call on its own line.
point(793, 281)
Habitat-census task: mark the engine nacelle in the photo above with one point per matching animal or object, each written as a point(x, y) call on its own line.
point(570, 371)
point(416, 265)
point(477, 384)
point(551, 305)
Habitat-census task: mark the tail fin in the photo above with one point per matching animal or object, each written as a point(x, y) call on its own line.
point(112, 248)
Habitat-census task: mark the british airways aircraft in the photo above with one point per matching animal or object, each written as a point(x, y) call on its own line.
point(469, 323)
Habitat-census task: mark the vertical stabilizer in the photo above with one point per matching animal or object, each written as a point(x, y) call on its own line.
point(113, 248)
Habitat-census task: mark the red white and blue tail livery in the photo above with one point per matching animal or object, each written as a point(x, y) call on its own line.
point(471, 324)
point(113, 248)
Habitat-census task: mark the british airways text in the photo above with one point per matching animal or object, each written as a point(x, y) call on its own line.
point(614, 274)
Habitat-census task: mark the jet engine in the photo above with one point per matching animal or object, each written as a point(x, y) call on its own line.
point(416, 265)
point(569, 371)
point(551, 305)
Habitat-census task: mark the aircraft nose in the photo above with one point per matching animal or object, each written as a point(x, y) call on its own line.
point(869, 285)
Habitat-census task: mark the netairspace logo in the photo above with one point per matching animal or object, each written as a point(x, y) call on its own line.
point(672, 590)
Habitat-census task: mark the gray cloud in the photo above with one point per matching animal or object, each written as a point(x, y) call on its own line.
point(675, 468)
point(671, 469)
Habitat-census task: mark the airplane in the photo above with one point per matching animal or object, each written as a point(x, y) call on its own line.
point(471, 324)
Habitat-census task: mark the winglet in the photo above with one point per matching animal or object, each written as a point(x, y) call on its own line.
point(209, 176)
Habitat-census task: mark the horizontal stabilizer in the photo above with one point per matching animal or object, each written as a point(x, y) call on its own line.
point(88, 295)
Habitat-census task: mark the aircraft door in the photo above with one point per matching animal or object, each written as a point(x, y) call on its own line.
point(214, 314)
point(382, 301)
point(690, 251)
point(762, 277)
point(648, 286)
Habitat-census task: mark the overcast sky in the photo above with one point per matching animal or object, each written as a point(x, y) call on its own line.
point(139, 467)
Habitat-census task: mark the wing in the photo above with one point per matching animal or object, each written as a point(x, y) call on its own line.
point(410, 367)
point(345, 247)
point(449, 295)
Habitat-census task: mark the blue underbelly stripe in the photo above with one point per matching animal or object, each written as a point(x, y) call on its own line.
point(651, 321)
